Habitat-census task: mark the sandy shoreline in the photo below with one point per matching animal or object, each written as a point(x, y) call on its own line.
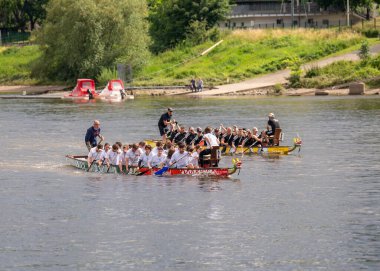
point(61, 90)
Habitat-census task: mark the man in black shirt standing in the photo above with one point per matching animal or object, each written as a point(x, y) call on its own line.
point(272, 124)
point(163, 122)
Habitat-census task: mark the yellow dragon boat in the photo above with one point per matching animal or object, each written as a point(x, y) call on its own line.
point(282, 150)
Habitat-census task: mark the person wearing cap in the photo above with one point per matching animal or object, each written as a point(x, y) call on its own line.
point(92, 133)
point(272, 124)
point(163, 122)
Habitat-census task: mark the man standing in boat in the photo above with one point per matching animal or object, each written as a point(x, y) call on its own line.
point(165, 120)
point(272, 124)
point(92, 133)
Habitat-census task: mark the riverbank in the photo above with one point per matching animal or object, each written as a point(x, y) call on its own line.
point(59, 91)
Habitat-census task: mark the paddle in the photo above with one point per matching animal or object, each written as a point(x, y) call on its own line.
point(143, 172)
point(93, 161)
point(164, 169)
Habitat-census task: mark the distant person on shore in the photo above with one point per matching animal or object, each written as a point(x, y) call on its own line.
point(200, 84)
point(92, 133)
point(163, 122)
point(193, 86)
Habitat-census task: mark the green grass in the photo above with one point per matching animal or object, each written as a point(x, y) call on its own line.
point(15, 64)
point(245, 54)
point(342, 72)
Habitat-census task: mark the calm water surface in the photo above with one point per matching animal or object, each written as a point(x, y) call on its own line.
point(314, 210)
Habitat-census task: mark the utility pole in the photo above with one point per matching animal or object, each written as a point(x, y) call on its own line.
point(348, 13)
point(292, 9)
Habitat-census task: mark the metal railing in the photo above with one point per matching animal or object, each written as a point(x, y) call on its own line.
point(9, 38)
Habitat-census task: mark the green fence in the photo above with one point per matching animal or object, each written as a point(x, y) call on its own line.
point(14, 38)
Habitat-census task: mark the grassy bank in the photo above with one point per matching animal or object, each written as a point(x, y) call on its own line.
point(243, 54)
point(342, 72)
point(16, 64)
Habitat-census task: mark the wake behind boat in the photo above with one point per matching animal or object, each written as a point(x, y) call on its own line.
point(80, 162)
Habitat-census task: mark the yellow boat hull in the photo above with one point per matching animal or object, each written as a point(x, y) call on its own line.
point(284, 150)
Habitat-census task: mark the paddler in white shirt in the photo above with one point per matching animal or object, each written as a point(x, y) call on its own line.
point(123, 156)
point(158, 160)
point(146, 157)
point(132, 157)
point(96, 155)
point(113, 157)
point(180, 158)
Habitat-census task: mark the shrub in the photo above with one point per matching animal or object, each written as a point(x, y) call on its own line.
point(371, 33)
point(106, 75)
point(313, 71)
point(364, 53)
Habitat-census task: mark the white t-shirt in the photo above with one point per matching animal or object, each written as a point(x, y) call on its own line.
point(133, 157)
point(213, 140)
point(113, 157)
point(194, 159)
point(123, 157)
point(145, 158)
point(157, 160)
point(181, 160)
point(96, 155)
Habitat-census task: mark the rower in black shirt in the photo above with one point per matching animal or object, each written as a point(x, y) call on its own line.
point(227, 139)
point(272, 124)
point(190, 136)
point(199, 137)
point(179, 136)
point(165, 120)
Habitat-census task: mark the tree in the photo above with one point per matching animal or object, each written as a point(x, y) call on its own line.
point(17, 13)
point(170, 20)
point(80, 37)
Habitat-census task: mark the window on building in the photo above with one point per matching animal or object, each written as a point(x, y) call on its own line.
point(310, 21)
point(242, 24)
point(279, 21)
point(233, 24)
point(226, 24)
point(325, 22)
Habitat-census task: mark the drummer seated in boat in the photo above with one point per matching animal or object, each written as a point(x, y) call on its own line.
point(180, 158)
point(96, 155)
point(113, 157)
point(211, 142)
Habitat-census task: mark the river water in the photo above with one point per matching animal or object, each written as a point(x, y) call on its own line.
point(314, 210)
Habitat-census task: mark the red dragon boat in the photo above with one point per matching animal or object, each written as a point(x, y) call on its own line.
point(80, 162)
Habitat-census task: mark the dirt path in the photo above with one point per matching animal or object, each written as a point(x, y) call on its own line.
point(279, 77)
point(30, 89)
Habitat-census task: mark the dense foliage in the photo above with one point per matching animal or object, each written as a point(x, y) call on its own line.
point(17, 14)
point(81, 37)
point(172, 21)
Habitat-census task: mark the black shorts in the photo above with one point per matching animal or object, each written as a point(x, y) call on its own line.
point(162, 130)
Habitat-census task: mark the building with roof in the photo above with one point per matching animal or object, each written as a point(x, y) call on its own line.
point(282, 13)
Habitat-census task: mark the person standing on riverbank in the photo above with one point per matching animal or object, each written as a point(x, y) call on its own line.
point(164, 121)
point(92, 133)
